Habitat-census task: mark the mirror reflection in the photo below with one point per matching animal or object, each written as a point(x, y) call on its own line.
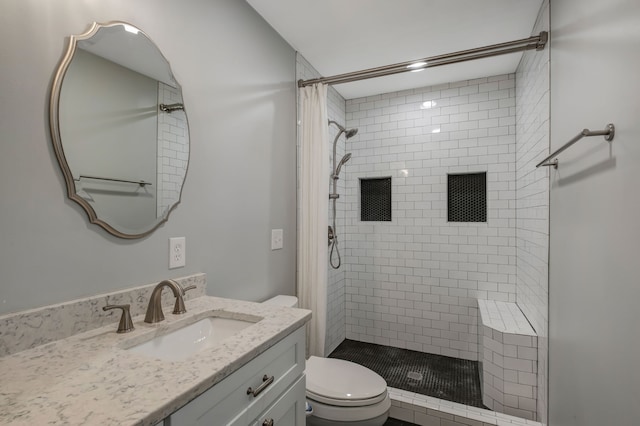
point(120, 129)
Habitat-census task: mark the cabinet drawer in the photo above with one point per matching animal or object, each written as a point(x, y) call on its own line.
point(288, 410)
point(228, 402)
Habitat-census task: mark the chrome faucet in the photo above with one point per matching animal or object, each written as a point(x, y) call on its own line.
point(154, 310)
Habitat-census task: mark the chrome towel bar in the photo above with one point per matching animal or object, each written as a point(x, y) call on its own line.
point(608, 134)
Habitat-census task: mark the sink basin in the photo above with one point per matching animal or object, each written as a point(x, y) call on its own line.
point(186, 341)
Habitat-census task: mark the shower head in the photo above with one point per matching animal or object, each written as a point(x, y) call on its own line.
point(351, 133)
point(346, 158)
point(348, 133)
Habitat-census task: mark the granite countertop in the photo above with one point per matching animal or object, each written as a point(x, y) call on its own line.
point(90, 378)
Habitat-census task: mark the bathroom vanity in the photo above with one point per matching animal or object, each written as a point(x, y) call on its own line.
point(268, 390)
point(253, 376)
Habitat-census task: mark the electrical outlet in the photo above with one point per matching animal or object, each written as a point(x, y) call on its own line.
point(276, 239)
point(177, 252)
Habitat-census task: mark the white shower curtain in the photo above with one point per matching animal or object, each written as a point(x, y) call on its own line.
point(314, 213)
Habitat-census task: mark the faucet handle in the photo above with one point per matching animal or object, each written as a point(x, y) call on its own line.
point(191, 287)
point(125, 325)
point(179, 307)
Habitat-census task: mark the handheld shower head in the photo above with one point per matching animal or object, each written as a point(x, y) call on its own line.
point(346, 158)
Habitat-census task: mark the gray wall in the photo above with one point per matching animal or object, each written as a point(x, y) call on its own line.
point(594, 287)
point(238, 81)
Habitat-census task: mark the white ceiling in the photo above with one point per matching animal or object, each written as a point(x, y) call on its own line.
point(338, 36)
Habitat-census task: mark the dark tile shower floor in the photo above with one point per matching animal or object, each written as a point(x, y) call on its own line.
point(439, 376)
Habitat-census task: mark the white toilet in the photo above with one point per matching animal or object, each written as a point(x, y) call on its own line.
point(342, 392)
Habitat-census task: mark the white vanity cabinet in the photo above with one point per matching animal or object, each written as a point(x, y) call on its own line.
point(268, 390)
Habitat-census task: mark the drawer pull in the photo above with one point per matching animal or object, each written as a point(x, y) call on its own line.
point(266, 382)
point(268, 422)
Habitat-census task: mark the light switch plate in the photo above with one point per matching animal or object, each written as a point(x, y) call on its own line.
point(177, 252)
point(276, 239)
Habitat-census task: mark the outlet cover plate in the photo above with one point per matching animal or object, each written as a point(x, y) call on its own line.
point(276, 239)
point(177, 252)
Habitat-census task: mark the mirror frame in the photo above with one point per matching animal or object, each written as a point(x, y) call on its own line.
point(54, 125)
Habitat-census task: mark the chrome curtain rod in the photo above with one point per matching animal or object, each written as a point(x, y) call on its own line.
point(608, 133)
point(535, 42)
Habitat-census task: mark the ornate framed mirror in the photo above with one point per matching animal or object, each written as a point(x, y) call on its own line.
point(119, 129)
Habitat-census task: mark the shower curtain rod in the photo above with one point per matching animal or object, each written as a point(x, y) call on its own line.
point(534, 42)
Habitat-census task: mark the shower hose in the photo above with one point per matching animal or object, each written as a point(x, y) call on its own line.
point(334, 240)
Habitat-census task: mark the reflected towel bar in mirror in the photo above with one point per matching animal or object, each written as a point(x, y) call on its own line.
point(608, 134)
point(139, 182)
point(171, 107)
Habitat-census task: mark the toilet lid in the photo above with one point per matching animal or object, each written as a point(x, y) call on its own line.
point(336, 379)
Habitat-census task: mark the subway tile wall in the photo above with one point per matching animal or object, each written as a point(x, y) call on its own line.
point(532, 203)
point(413, 282)
point(336, 291)
point(336, 277)
point(173, 152)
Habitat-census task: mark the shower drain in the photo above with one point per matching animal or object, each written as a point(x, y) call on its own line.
point(414, 375)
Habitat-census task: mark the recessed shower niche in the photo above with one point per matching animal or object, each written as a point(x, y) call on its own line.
point(119, 129)
point(467, 197)
point(375, 199)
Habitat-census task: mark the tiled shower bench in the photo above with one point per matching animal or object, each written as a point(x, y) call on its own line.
point(508, 358)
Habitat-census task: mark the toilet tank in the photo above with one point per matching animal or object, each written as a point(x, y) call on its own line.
point(283, 300)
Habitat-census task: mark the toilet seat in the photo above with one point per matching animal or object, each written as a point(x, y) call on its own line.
point(346, 402)
point(343, 383)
